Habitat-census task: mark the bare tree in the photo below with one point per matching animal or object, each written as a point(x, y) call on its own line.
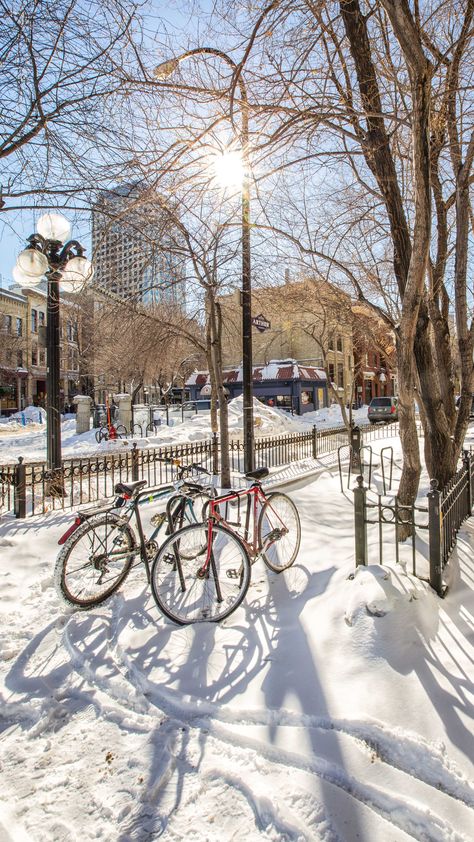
point(64, 120)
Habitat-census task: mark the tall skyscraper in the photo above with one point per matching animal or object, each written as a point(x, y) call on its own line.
point(136, 247)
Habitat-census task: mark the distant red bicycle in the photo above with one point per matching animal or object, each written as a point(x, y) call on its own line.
point(202, 572)
point(109, 432)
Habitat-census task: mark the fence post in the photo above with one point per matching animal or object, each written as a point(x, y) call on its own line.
point(134, 462)
point(360, 522)
point(466, 460)
point(435, 535)
point(315, 442)
point(215, 454)
point(355, 443)
point(20, 489)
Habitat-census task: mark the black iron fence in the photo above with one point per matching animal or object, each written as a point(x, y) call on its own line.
point(425, 535)
point(24, 487)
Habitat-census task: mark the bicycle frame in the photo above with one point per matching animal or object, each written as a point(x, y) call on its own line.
point(131, 508)
point(252, 547)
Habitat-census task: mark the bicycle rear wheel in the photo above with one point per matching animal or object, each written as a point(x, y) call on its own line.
point(279, 532)
point(186, 592)
point(94, 561)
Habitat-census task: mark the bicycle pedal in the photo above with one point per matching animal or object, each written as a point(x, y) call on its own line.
point(158, 519)
point(169, 558)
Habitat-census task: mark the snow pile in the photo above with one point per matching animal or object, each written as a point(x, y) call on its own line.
point(268, 421)
point(30, 441)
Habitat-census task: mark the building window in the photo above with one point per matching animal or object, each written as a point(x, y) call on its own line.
point(19, 326)
point(331, 344)
point(34, 356)
point(339, 343)
point(19, 359)
point(7, 324)
point(331, 372)
point(34, 322)
point(340, 375)
point(42, 358)
point(42, 319)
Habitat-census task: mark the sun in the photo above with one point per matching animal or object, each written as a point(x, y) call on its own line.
point(228, 169)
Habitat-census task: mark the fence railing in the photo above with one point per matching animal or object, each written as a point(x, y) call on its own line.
point(440, 520)
point(24, 487)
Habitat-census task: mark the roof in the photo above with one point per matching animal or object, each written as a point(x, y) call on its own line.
point(274, 370)
point(15, 296)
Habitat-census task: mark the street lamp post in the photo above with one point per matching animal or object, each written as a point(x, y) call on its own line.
point(162, 71)
point(52, 255)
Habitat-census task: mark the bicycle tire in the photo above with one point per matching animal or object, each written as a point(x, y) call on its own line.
point(229, 572)
point(100, 435)
point(82, 582)
point(121, 431)
point(279, 512)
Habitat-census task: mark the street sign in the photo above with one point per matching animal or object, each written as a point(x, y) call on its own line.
point(261, 323)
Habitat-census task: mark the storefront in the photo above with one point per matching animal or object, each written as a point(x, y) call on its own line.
point(284, 384)
point(12, 389)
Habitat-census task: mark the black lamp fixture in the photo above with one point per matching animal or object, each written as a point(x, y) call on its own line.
point(50, 254)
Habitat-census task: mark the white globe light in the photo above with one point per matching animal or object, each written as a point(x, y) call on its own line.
point(25, 280)
point(32, 262)
point(77, 272)
point(54, 226)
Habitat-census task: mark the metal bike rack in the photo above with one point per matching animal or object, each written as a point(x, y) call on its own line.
point(382, 457)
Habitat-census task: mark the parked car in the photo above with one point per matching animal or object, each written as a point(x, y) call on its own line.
point(458, 401)
point(383, 409)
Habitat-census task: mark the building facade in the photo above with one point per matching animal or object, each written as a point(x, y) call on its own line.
point(309, 322)
point(134, 248)
point(23, 318)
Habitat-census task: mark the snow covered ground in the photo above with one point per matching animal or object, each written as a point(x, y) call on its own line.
point(30, 441)
point(326, 708)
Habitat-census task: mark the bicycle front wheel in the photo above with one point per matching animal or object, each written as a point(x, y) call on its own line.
point(279, 532)
point(190, 587)
point(94, 561)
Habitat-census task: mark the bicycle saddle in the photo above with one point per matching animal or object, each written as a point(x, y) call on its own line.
point(258, 473)
point(129, 488)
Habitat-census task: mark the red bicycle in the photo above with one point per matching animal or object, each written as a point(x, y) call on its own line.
point(202, 572)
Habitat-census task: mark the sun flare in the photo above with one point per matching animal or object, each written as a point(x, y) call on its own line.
point(228, 169)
